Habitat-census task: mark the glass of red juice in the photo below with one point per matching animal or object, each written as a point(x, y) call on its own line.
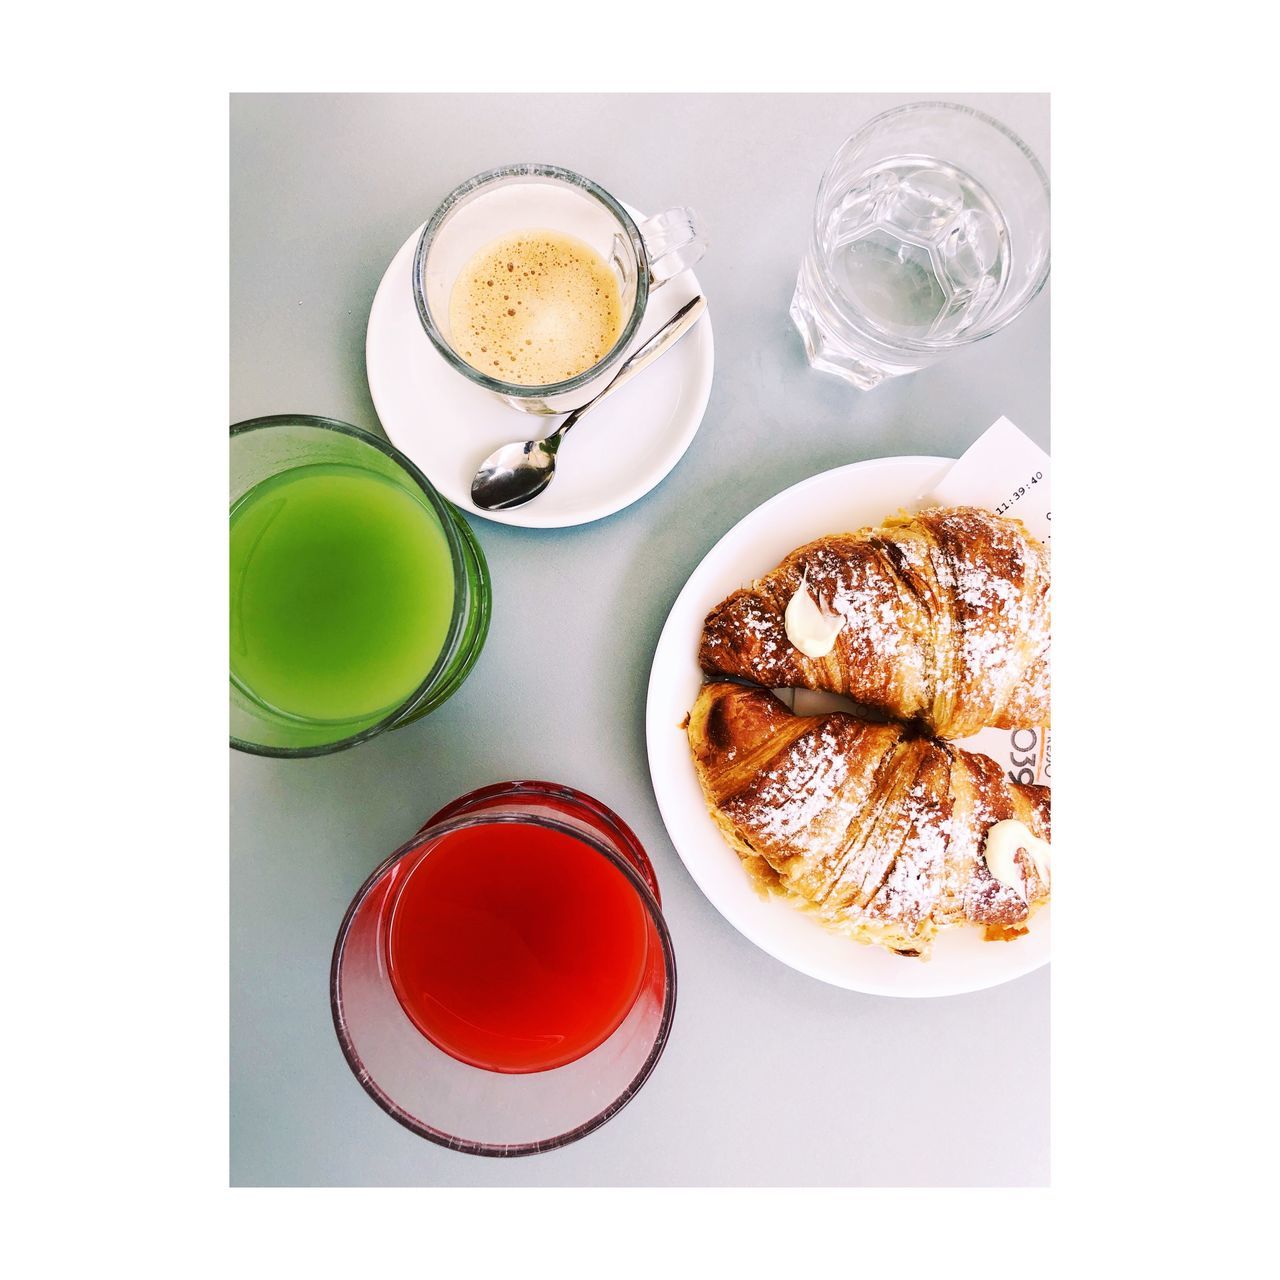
point(505, 982)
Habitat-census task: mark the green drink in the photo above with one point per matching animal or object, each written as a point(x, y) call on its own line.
point(359, 597)
point(341, 593)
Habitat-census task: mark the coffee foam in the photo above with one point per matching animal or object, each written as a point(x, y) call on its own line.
point(535, 308)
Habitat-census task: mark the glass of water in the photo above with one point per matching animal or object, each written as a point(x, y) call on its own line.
point(931, 232)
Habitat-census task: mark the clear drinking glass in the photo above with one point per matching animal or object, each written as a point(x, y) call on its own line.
point(470, 1108)
point(525, 197)
point(263, 448)
point(931, 231)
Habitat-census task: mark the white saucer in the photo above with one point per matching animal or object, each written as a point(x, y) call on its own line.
point(447, 425)
point(847, 498)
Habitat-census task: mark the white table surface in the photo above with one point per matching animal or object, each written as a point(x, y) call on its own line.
point(769, 1078)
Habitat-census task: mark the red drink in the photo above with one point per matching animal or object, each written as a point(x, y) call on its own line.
point(505, 982)
point(515, 947)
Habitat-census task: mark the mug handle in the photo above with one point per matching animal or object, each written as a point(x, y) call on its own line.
point(673, 242)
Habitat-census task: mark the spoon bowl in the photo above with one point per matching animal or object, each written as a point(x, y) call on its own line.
point(513, 475)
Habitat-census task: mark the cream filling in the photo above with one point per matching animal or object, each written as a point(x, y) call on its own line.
point(1003, 842)
point(811, 628)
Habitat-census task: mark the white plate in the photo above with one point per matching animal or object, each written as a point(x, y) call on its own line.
point(448, 425)
point(836, 501)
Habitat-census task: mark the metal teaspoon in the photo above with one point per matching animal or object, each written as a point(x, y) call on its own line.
point(518, 472)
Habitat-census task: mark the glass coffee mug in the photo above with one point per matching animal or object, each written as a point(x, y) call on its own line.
point(360, 599)
point(931, 232)
point(536, 198)
point(504, 983)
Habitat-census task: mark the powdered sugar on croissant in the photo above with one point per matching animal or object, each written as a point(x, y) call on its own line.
point(945, 621)
point(876, 830)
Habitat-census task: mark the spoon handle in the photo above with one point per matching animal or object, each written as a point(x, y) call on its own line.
point(666, 337)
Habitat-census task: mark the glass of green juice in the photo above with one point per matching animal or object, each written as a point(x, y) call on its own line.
point(359, 597)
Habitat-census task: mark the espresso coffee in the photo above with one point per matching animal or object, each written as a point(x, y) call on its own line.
point(534, 308)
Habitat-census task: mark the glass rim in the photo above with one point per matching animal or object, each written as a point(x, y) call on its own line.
point(569, 178)
point(457, 619)
point(526, 791)
point(860, 321)
point(469, 1146)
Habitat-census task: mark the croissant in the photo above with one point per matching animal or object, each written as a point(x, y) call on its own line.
point(877, 831)
point(943, 619)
